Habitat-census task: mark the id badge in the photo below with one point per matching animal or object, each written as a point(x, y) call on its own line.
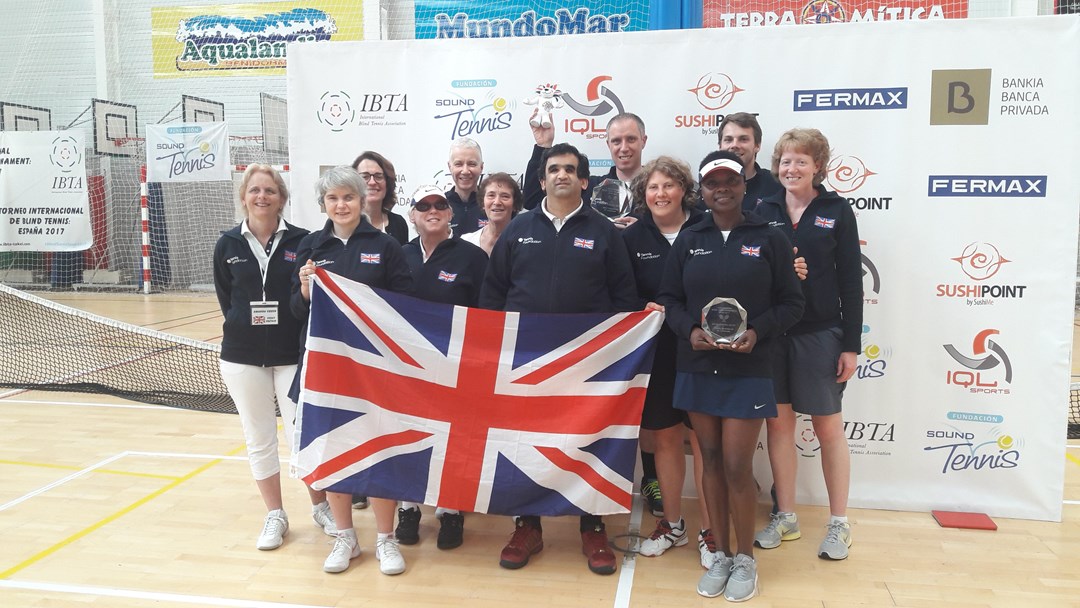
point(264, 313)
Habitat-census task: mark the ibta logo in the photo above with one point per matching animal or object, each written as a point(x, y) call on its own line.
point(973, 378)
point(997, 186)
point(815, 100)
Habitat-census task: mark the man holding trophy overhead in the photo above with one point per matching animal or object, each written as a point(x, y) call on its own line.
point(729, 290)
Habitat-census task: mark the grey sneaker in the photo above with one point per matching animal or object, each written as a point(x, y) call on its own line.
point(324, 518)
point(742, 585)
point(275, 527)
point(780, 528)
point(346, 548)
point(713, 582)
point(836, 543)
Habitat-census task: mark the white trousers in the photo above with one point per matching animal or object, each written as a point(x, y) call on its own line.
point(256, 391)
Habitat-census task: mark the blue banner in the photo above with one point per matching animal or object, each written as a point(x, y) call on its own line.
point(442, 19)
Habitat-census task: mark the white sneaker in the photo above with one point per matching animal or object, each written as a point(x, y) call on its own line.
point(706, 548)
point(274, 529)
point(666, 536)
point(346, 548)
point(324, 518)
point(390, 559)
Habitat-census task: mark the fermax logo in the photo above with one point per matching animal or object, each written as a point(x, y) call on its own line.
point(715, 90)
point(960, 97)
point(992, 355)
point(846, 174)
point(888, 98)
point(997, 186)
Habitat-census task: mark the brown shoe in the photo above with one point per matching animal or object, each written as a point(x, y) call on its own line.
point(594, 544)
point(525, 542)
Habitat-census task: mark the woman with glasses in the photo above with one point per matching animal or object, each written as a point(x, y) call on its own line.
point(381, 180)
point(448, 271)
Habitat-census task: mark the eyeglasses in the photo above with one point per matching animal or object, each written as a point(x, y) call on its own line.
point(379, 177)
point(423, 207)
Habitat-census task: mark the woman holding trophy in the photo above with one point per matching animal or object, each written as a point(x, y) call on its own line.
point(729, 290)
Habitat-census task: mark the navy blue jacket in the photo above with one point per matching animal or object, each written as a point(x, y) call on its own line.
point(238, 282)
point(530, 182)
point(397, 227)
point(327, 251)
point(754, 266)
point(828, 237)
point(453, 274)
point(468, 216)
point(582, 268)
point(759, 187)
point(648, 251)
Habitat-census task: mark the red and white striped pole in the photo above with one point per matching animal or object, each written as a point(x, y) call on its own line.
point(144, 211)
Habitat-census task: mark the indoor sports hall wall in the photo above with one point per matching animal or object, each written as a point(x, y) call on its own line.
point(949, 138)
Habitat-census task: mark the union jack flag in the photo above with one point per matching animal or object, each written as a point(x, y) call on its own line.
point(754, 252)
point(584, 243)
point(449, 277)
point(824, 222)
point(290, 256)
point(470, 409)
point(370, 258)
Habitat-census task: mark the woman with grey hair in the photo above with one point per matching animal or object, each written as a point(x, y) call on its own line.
point(347, 238)
point(253, 267)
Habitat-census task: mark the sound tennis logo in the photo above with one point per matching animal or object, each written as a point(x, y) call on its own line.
point(967, 450)
point(986, 371)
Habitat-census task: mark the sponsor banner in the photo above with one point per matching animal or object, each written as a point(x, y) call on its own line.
point(43, 193)
point(440, 19)
point(187, 152)
point(959, 235)
point(244, 39)
point(747, 13)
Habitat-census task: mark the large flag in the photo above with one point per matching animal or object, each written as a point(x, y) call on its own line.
point(477, 410)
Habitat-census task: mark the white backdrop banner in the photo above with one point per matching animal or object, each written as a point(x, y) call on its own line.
point(43, 194)
point(956, 157)
point(187, 152)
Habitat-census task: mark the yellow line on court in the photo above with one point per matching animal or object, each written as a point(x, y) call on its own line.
point(67, 467)
point(1072, 458)
point(85, 531)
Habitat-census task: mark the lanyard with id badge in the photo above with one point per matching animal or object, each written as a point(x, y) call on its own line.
point(265, 312)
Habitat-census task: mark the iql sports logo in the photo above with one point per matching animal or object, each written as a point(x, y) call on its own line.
point(600, 101)
point(987, 372)
point(848, 175)
point(973, 448)
point(871, 277)
point(980, 262)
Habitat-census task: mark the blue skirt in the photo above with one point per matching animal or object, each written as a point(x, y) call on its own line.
point(725, 396)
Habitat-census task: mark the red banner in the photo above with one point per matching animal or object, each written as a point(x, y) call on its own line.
point(744, 13)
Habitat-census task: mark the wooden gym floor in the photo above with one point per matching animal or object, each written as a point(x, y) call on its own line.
point(112, 503)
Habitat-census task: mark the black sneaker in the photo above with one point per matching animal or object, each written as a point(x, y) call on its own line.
point(650, 489)
point(450, 530)
point(359, 502)
point(408, 526)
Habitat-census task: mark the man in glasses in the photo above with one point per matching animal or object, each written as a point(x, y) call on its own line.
point(561, 257)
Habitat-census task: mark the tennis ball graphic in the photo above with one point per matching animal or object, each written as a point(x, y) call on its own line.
point(1005, 442)
point(499, 104)
point(873, 351)
point(204, 147)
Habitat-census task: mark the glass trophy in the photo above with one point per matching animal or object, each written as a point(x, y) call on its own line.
point(724, 319)
point(608, 201)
